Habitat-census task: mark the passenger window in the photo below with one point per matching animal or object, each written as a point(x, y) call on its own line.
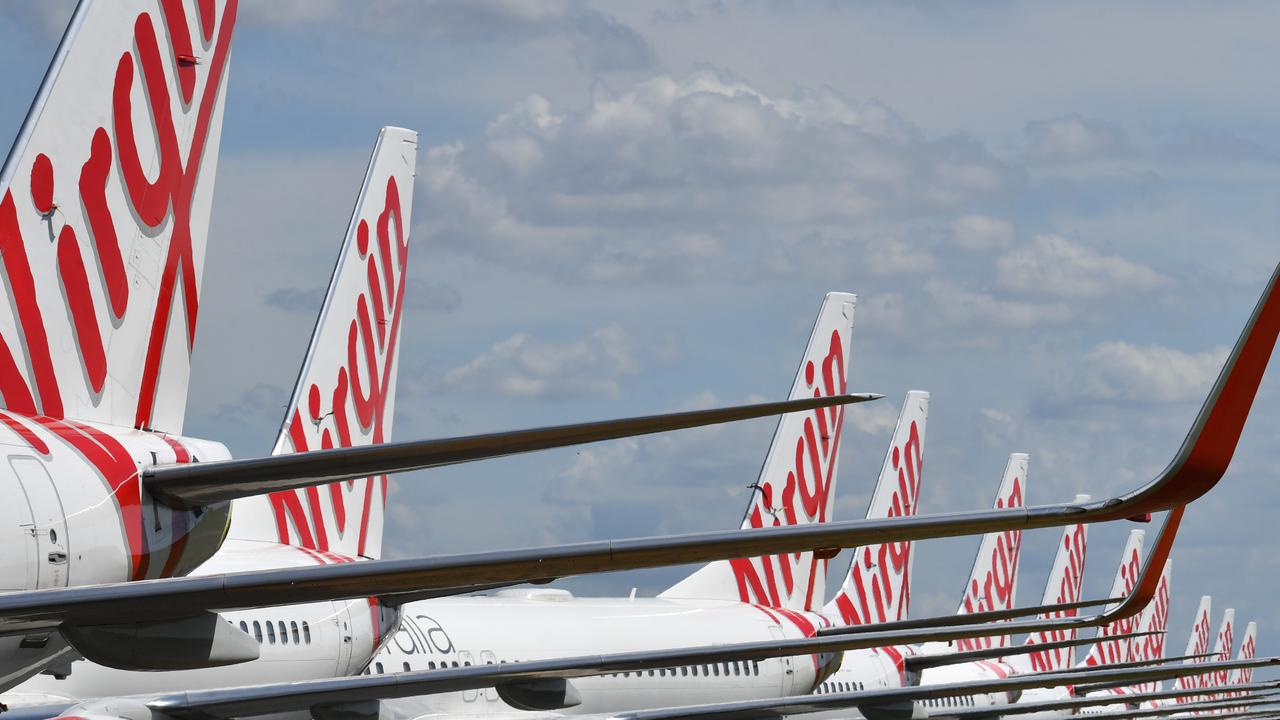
point(737, 668)
point(755, 667)
point(284, 636)
point(406, 667)
point(684, 671)
point(716, 669)
point(306, 632)
point(244, 627)
point(257, 631)
point(293, 625)
point(271, 632)
point(455, 663)
point(378, 667)
point(651, 673)
point(431, 665)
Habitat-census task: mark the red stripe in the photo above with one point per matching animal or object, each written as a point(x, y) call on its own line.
point(180, 244)
point(18, 270)
point(93, 193)
point(80, 304)
point(25, 433)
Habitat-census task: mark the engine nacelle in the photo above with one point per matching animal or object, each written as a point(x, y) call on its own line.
point(894, 711)
point(202, 641)
point(76, 512)
point(540, 694)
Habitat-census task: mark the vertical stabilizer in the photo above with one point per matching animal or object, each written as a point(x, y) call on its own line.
point(1063, 587)
point(345, 394)
point(1154, 619)
point(797, 481)
point(993, 582)
point(1248, 651)
point(878, 586)
point(1106, 652)
point(1197, 644)
point(105, 201)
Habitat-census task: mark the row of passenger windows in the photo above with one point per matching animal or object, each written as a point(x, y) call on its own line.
point(835, 686)
point(299, 638)
point(377, 668)
point(739, 669)
point(961, 701)
point(726, 669)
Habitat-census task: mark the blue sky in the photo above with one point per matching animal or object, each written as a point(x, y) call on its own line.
point(1056, 220)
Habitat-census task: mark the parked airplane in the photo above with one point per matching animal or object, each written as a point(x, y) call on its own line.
point(105, 201)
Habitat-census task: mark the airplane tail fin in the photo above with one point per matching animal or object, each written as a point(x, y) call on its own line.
point(1222, 647)
point(993, 582)
point(1248, 651)
point(1197, 644)
point(878, 586)
point(346, 390)
point(105, 202)
point(1104, 651)
point(1153, 619)
point(797, 482)
point(1064, 585)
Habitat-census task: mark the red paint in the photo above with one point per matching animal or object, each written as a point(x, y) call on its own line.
point(42, 184)
point(80, 304)
point(93, 193)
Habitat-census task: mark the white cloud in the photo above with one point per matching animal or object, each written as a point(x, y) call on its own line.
point(961, 306)
point(523, 366)
point(655, 183)
point(1072, 138)
point(980, 233)
point(1053, 265)
point(1119, 371)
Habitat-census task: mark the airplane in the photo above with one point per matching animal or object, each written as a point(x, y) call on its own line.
point(425, 641)
point(103, 233)
point(154, 606)
point(724, 601)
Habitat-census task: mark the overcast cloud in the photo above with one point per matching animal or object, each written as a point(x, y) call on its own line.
point(1056, 219)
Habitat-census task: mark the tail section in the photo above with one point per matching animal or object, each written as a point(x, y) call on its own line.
point(1105, 652)
point(1154, 619)
point(104, 214)
point(797, 482)
point(345, 394)
point(1063, 587)
point(1197, 644)
point(878, 586)
point(993, 582)
point(1222, 647)
point(1248, 651)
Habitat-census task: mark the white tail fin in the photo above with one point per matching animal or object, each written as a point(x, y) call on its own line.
point(1063, 587)
point(1222, 647)
point(1248, 651)
point(1154, 619)
point(105, 213)
point(878, 586)
point(797, 482)
point(1197, 644)
point(1105, 652)
point(345, 394)
point(993, 582)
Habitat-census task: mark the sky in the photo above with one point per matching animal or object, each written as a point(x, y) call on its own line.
point(1056, 218)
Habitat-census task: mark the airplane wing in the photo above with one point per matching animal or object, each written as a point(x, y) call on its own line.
point(237, 702)
point(1198, 465)
point(152, 601)
point(920, 663)
point(191, 485)
point(896, 698)
point(1078, 703)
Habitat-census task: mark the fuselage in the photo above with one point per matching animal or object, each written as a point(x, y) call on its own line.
point(77, 514)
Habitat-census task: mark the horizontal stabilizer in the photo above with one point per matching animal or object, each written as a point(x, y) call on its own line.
point(196, 484)
point(920, 663)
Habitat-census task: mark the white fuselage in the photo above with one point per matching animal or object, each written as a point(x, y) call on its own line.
point(77, 514)
point(548, 623)
point(297, 642)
